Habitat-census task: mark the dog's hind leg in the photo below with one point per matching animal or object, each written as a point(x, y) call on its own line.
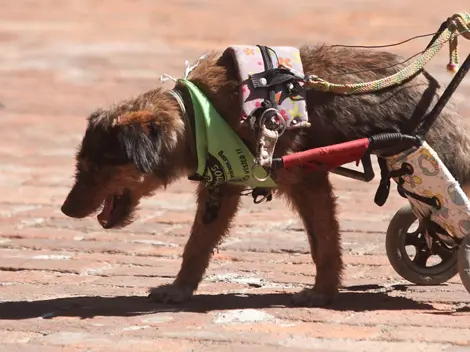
point(311, 196)
point(211, 223)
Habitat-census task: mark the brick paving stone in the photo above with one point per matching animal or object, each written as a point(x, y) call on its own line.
point(69, 285)
point(19, 337)
point(34, 347)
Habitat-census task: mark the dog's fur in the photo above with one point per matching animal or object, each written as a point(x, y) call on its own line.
point(138, 146)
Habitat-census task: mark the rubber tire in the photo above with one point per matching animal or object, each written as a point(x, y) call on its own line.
point(396, 233)
point(464, 262)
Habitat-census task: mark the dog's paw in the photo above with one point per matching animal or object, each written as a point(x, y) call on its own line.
point(309, 297)
point(170, 293)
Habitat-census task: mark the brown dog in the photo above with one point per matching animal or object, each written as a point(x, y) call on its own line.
point(136, 147)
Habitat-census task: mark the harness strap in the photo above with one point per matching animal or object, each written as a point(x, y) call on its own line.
point(383, 190)
point(267, 137)
point(277, 76)
point(268, 65)
point(260, 194)
point(431, 201)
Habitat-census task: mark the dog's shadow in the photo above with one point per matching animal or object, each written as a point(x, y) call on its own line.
point(354, 299)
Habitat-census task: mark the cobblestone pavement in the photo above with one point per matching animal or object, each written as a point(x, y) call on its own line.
point(68, 285)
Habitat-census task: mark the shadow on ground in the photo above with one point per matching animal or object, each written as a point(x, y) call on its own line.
point(357, 299)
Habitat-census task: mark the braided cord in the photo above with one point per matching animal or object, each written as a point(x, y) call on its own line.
point(459, 24)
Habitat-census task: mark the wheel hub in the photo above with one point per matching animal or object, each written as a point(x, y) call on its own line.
point(426, 246)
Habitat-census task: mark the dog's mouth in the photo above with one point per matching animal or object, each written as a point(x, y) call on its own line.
point(116, 210)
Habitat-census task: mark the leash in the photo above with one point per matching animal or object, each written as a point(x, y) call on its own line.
point(270, 129)
point(458, 24)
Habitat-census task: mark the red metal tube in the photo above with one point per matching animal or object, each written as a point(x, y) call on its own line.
point(330, 157)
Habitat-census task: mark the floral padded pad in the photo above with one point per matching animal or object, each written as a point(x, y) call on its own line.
point(250, 61)
point(431, 178)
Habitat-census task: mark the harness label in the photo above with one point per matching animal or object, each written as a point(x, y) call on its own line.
point(222, 155)
point(214, 171)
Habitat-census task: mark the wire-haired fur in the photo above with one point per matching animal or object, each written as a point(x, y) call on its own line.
point(139, 146)
point(142, 148)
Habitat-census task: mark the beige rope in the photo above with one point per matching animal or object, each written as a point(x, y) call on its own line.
point(459, 24)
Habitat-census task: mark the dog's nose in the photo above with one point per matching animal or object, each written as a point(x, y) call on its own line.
point(68, 210)
point(65, 209)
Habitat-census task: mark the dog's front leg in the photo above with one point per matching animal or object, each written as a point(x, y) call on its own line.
point(214, 214)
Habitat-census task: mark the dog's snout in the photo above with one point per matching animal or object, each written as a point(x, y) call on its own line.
point(70, 210)
point(65, 209)
point(77, 204)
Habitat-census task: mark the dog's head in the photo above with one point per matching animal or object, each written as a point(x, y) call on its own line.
point(126, 153)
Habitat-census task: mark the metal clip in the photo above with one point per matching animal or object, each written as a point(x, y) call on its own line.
point(255, 165)
point(281, 122)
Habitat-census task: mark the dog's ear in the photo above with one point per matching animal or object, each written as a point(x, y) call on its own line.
point(141, 138)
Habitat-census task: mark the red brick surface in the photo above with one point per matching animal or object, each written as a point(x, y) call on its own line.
point(68, 285)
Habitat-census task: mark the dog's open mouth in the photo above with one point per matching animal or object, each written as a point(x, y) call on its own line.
point(116, 209)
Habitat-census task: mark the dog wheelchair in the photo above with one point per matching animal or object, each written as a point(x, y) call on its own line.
point(273, 90)
point(435, 199)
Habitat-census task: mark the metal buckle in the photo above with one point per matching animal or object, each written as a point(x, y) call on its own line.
point(255, 165)
point(281, 123)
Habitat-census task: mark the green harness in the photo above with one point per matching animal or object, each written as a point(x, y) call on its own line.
point(221, 154)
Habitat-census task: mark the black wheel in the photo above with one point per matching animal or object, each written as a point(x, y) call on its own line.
point(464, 262)
point(410, 255)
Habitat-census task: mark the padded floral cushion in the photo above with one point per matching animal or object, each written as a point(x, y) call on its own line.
point(250, 61)
point(432, 178)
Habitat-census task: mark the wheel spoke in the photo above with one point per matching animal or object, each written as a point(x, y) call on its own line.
point(415, 233)
point(421, 257)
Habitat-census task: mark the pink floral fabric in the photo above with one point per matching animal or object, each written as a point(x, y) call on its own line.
point(250, 61)
point(431, 178)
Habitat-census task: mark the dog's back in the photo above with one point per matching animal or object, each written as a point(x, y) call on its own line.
point(337, 118)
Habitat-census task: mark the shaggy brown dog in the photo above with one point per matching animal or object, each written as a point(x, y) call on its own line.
point(136, 147)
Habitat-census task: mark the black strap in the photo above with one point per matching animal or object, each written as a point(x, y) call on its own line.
point(276, 76)
point(268, 65)
point(260, 194)
point(432, 201)
point(383, 191)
